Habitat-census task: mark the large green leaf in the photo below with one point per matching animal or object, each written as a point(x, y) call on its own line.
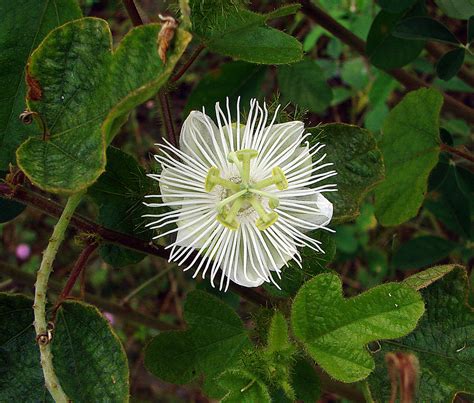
point(384, 49)
point(230, 80)
point(24, 24)
point(426, 277)
point(335, 330)
point(227, 27)
point(119, 193)
point(213, 342)
point(88, 358)
point(358, 163)
point(304, 85)
point(443, 342)
point(410, 148)
point(84, 93)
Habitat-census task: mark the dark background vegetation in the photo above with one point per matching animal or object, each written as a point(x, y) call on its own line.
point(348, 90)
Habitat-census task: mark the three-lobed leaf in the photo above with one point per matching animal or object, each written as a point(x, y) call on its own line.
point(410, 148)
point(443, 341)
point(358, 163)
point(88, 358)
point(335, 330)
point(84, 101)
point(24, 24)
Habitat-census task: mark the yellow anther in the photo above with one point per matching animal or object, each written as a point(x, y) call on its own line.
point(213, 178)
point(278, 179)
point(273, 201)
point(266, 219)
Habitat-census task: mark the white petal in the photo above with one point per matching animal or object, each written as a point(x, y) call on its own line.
point(201, 139)
point(309, 211)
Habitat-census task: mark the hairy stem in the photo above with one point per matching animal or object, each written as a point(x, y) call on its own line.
point(188, 64)
point(133, 12)
point(39, 307)
point(411, 82)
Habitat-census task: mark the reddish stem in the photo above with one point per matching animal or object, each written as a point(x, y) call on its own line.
point(188, 64)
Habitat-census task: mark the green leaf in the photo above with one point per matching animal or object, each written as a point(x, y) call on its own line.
point(450, 63)
point(243, 387)
point(355, 73)
point(421, 252)
point(443, 343)
point(213, 342)
point(358, 163)
point(396, 6)
point(24, 24)
point(384, 49)
point(424, 28)
point(9, 209)
point(305, 381)
point(410, 148)
point(119, 193)
point(231, 80)
point(426, 277)
point(335, 330)
point(87, 356)
point(84, 102)
point(278, 334)
point(461, 9)
point(303, 84)
point(227, 27)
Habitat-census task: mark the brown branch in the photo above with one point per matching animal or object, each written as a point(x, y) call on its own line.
point(75, 272)
point(464, 73)
point(128, 315)
point(186, 65)
point(410, 81)
point(167, 118)
point(53, 209)
point(457, 152)
point(133, 12)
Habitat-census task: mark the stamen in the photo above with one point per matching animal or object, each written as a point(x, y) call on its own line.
point(266, 219)
point(245, 156)
point(213, 178)
point(278, 179)
point(228, 219)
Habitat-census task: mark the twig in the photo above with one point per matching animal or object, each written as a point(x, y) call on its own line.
point(133, 12)
point(75, 272)
point(410, 81)
point(167, 118)
point(457, 152)
point(39, 306)
point(188, 64)
point(53, 209)
point(127, 314)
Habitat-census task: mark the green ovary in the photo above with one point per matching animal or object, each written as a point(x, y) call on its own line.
point(241, 196)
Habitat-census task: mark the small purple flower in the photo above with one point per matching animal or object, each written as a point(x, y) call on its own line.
point(110, 317)
point(23, 251)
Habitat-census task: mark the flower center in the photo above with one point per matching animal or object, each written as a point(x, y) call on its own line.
point(242, 195)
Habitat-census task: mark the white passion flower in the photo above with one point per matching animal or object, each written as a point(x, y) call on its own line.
point(243, 196)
